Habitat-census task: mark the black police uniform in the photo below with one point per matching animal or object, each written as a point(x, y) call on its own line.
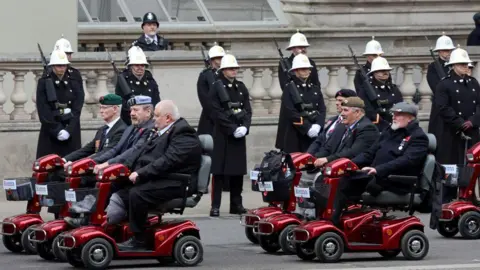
point(159, 44)
point(295, 138)
point(229, 157)
point(283, 79)
point(204, 83)
point(474, 37)
point(387, 94)
point(146, 86)
point(358, 79)
point(69, 93)
point(433, 78)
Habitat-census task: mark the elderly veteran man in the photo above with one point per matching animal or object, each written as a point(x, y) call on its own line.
point(359, 134)
point(401, 150)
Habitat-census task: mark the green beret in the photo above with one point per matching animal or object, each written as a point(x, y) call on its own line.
point(111, 99)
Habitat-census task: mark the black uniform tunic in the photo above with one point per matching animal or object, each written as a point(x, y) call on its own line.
point(295, 138)
point(229, 156)
point(69, 92)
point(160, 45)
point(358, 80)
point(283, 79)
point(146, 86)
point(388, 95)
point(204, 82)
point(433, 78)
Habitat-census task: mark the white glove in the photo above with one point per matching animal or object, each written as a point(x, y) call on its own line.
point(63, 135)
point(240, 132)
point(67, 111)
point(314, 130)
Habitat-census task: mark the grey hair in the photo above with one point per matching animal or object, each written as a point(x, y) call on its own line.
point(168, 106)
point(148, 107)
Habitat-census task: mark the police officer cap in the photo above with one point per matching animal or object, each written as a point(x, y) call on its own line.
point(140, 100)
point(476, 17)
point(149, 17)
point(405, 107)
point(111, 99)
point(346, 93)
point(354, 102)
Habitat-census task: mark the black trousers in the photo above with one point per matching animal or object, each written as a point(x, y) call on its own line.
point(236, 188)
point(143, 196)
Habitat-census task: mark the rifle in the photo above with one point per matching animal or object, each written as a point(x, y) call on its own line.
point(306, 110)
point(49, 86)
point(206, 58)
point(231, 108)
point(122, 82)
point(210, 74)
point(438, 66)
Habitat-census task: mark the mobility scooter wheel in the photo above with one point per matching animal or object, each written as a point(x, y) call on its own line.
point(12, 243)
point(251, 236)
point(304, 252)
point(188, 251)
point(74, 258)
point(285, 240)
point(448, 229)
point(469, 225)
point(29, 247)
point(97, 254)
point(57, 252)
point(329, 247)
point(269, 243)
point(414, 245)
point(389, 254)
point(45, 250)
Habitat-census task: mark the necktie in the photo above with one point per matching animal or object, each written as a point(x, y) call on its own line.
point(104, 135)
point(345, 135)
point(332, 127)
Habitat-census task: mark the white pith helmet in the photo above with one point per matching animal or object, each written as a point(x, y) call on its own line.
point(444, 43)
point(373, 47)
point(300, 61)
point(58, 57)
point(298, 40)
point(64, 45)
point(459, 56)
point(229, 61)
point(136, 56)
point(379, 63)
point(216, 51)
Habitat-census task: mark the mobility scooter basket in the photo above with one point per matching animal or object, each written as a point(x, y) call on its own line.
point(19, 188)
point(307, 180)
point(320, 193)
point(84, 200)
point(460, 177)
point(52, 194)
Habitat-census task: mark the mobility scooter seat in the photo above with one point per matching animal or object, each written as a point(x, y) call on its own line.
point(387, 198)
point(201, 181)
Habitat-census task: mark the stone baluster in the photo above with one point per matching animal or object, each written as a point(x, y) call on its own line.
point(351, 71)
point(38, 74)
point(19, 97)
point(258, 92)
point(110, 82)
point(408, 86)
point(275, 92)
point(90, 87)
point(425, 91)
point(101, 87)
point(86, 111)
point(267, 100)
point(332, 88)
point(3, 115)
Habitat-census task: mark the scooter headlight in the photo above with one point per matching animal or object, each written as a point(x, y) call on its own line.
point(100, 175)
point(470, 157)
point(36, 165)
point(69, 169)
point(328, 171)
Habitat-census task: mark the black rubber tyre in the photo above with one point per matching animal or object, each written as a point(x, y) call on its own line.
point(60, 254)
point(414, 245)
point(12, 243)
point(29, 247)
point(305, 253)
point(45, 251)
point(250, 235)
point(285, 240)
point(188, 251)
point(73, 258)
point(97, 254)
point(469, 225)
point(389, 254)
point(448, 229)
point(329, 247)
point(269, 243)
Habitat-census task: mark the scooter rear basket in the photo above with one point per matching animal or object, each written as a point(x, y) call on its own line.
point(54, 195)
point(461, 179)
point(84, 200)
point(320, 193)
point(19, 188)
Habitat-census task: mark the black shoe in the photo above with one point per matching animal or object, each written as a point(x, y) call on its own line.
point(237, 210)
point(214, 212)
point(76, 222)
point(132, 243)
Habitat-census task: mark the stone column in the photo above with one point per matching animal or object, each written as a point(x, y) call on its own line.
point(258, 92)
point(38, 74)
point(110, 83)
point(275, 92)
point(425, 92)
point(101, 88)
point(351, 71)
point(408, 86)
point(3, 115)
point(19, 97)
point(332, 88)
point(90, 79)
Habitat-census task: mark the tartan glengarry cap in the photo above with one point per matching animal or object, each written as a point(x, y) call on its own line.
point(405, 107)
point(140, 100)
point(110, 99)
point(354, 102)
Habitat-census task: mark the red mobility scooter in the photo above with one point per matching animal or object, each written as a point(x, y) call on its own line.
point(94, 246)
point(16, 229)
point(253, 215)
point(368, 231)
point(46, 235)
point(463, 214)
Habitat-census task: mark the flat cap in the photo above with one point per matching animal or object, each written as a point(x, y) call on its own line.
point(139, 100)
point(405, 107)
point(110, 99)
point(354, 102)
point(346, 93)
